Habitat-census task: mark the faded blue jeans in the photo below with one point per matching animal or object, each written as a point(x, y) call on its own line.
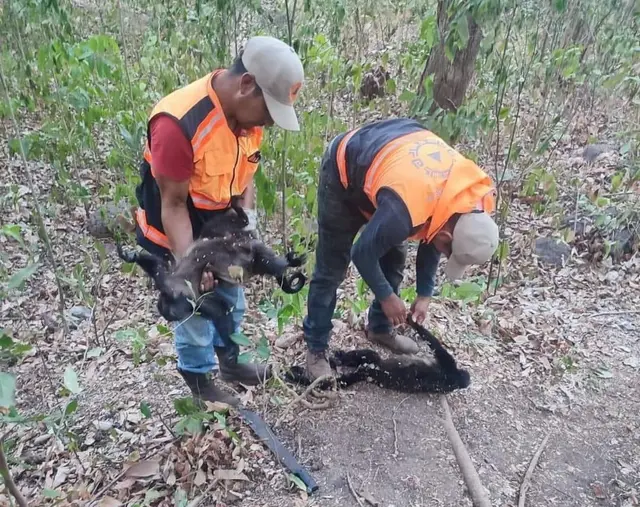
point(196, 336)
point(338, 225)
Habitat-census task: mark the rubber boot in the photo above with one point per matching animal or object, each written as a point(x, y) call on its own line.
point(203, 389)
point(245, 373)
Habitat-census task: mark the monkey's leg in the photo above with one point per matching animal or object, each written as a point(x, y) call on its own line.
point(267, 262)
point(347, 379)
point(355, 358)
point(151, 264)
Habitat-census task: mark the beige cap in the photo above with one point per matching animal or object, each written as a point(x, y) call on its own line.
point(278, 71)
point(475, 238)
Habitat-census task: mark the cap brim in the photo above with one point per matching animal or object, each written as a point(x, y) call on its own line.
point(284, 116)
point(454, 270)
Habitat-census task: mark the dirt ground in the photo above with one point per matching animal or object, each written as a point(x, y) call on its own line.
point(556, 351)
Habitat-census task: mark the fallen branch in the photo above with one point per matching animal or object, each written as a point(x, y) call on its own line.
point(8, 480)
point(196, 501)
point(469, 474)
point(618, 312)
point(527, 476)
point(395, 428)
point(353, 491)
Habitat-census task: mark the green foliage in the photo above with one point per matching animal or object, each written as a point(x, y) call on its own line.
point(7, 390)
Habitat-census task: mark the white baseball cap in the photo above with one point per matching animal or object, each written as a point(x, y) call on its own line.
point(475, 238)
point(278, 71)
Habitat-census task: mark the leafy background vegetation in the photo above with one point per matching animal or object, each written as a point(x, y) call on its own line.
point(78, 79)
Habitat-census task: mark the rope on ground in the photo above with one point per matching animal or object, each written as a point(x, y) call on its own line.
point(471, 478)
point(527, 476)
point(301, 398)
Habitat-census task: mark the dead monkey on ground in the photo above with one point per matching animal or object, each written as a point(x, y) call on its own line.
point(403, 373)
point(231, 254)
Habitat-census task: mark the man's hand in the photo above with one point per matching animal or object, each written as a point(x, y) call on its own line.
point(419, 309)
point(395, 310)
point(208, 282)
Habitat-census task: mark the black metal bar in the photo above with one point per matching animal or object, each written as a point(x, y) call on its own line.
point(265, 433)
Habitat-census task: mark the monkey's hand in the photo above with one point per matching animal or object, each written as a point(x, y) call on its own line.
point(130, 256)
point(295, 261)
point(292, 283)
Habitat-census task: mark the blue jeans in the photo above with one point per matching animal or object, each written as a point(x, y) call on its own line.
point(338, 223)
point(196, 336)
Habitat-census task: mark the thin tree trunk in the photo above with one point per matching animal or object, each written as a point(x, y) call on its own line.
point(451, 79)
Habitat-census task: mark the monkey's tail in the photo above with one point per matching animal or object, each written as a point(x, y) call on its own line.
point(442, 355)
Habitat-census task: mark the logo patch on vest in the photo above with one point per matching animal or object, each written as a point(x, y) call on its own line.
point(254, 158)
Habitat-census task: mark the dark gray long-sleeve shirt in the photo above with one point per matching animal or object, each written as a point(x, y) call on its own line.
point(389, 226)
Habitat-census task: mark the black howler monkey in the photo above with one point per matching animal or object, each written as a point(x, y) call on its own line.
point(400, 373)
point(230, 253)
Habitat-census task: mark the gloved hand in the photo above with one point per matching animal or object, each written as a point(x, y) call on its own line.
point(252, 226)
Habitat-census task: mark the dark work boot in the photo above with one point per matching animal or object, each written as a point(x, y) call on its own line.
point(317, 365)
point(245, 373)
point(398, 343)
point(203, 389)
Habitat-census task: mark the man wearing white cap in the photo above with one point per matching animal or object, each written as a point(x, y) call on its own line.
point(400, 182)
point(202, 151)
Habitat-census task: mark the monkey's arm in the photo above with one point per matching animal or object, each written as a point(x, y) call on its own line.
point(267, 262)
point(151, 264)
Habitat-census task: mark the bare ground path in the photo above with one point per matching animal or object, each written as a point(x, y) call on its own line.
point(592, 458)
point(556, 349)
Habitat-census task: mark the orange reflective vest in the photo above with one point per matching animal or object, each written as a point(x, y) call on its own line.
point(433, 179)
point(224, 164)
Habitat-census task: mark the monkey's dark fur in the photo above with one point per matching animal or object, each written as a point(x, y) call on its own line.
point(222, 245)
point(400, 373)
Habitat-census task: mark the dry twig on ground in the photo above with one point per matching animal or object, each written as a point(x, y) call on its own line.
point(353, 491)
point(527, 476)
point(471, 478)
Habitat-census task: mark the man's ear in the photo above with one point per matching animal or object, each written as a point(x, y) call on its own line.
point(444, 236)
point(247, 84)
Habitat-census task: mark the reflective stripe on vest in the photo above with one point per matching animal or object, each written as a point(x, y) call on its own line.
point(150, 232)
point(341, 158)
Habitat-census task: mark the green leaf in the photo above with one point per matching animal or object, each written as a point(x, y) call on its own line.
point(185, 406)
point(12, 231)
point(391, 86)
point(616, 181)
point(151, 495)
point(7, 390)
point(504, 112)
point(245, 357)
point(145, 409)
point(71, 380)
point(22, 275)
point(95, 352)
point(51, 493)
point(6, 342)
point(560, 5)
point(463, 31)
point(180, 498)
point(193, 425)
point(297, 481)
point(16, 144)
point(71, 407)
point(240, 339)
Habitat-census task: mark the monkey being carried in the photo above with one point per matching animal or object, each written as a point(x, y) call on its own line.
point(400, 373)
point(227, 251)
